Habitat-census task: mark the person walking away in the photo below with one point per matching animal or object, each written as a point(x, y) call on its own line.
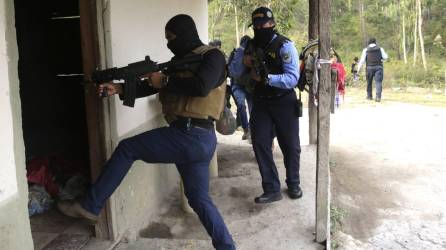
point(373, 56)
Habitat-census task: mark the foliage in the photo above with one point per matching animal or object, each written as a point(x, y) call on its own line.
point(336, 216)
point(290, 15)
point(398, 74)
point(383, 19)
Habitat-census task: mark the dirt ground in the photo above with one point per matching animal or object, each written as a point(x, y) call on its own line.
point(388, 175)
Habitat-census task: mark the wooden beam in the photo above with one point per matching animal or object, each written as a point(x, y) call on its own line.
point(323, 128)
point(313, 29)
point(93, 107)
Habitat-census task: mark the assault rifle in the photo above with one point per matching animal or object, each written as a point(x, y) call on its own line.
point(258, 61)
point(132, 73)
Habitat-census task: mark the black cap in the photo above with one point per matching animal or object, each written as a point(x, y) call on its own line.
point(261, 16)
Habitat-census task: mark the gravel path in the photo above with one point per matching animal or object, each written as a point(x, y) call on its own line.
point(389, 174)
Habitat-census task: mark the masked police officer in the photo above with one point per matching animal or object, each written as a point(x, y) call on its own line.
point(191, 101)
point(274, 105)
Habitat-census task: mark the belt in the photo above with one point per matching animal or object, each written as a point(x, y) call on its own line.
point(275, 96)
point(187, 123)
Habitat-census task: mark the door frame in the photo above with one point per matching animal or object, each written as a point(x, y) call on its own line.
point(91, 59)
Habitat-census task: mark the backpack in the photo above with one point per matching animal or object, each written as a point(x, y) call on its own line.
point(308, 67)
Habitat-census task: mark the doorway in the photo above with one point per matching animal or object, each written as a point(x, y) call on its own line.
point(56, 130)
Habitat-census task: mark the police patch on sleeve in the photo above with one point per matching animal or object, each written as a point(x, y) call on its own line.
point(286, 57)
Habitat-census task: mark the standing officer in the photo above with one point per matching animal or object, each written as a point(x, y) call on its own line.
point(191, 101)
point(373, 56)
point(274, 106)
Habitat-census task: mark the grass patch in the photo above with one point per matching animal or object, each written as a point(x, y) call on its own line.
point(356, 96)
point(431, 97)
point(336, 216)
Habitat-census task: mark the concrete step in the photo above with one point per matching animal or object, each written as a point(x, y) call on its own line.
point(165, 244)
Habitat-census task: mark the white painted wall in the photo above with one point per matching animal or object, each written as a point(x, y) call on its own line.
point(15, 232)
point(137, 29)
point(134, 29)
point(8, 181)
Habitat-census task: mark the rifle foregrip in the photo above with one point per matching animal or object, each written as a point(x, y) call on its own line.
point(105, 75)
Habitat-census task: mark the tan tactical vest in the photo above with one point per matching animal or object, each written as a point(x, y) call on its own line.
point(206, 107)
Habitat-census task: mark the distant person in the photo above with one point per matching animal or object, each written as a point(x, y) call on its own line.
point(241, 85)
point(337, 65)
point(354, 69)
point(373, 56)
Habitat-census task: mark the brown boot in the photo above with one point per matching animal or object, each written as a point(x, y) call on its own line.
point(75, 210)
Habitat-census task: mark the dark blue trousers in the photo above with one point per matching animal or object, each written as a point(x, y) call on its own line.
point(377, 73)
point(240, 95)
point(191, 149)
point(279, 115)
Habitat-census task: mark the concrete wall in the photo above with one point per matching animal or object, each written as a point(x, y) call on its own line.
point(15, 231)
point(132, 30)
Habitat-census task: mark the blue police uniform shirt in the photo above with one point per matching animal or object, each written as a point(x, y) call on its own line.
point(290, 61)
point(236, 67)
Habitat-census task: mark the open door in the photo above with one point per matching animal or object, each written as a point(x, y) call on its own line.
point(93, 104)
point(61, 114)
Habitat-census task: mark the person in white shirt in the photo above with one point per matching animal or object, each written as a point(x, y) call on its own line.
point(373, 56)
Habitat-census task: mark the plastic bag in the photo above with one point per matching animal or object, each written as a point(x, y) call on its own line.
point(227, 123)
point(38, 200)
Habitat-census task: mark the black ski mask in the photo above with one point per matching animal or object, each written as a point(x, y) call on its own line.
point(187, 39)
point(263, 36)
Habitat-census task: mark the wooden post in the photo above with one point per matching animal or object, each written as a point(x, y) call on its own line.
point(312, 35)
point(323, 128)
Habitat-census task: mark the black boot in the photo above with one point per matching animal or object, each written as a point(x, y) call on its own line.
point(268, 198)
point(295, 192)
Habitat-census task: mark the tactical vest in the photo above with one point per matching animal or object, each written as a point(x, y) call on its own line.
point(210, 106)
point(274, 64)
point(374, 57)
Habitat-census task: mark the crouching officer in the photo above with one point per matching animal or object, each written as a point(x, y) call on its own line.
point(191, 101)
point(275, 106)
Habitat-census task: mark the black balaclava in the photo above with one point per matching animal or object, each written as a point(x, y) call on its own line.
point(187, 39)
point(259, 17)
point(263, 36)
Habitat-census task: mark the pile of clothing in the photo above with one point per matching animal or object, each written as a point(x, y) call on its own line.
point(51, 178)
